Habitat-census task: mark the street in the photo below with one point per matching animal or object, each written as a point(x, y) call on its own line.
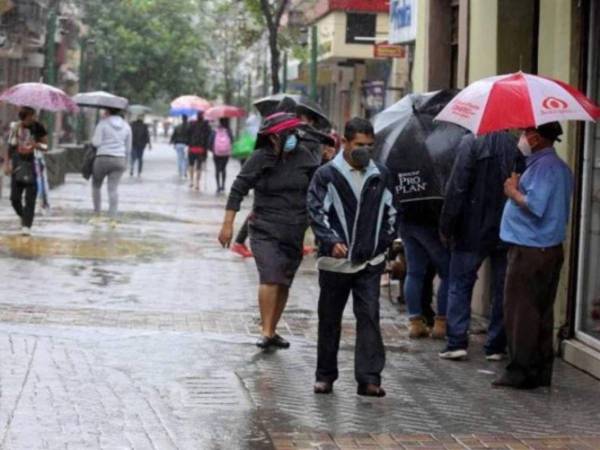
point(142, 337)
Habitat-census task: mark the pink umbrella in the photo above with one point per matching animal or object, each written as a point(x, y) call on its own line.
point(190, 102)
point(218, 112)
point(39, 96)
point(518, 100)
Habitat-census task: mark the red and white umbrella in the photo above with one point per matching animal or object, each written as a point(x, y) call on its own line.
point(39, 96)
point(518, 100)
point(220, 111)
point(190, 102)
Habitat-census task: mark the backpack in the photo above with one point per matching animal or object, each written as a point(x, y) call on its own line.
point(222, 146)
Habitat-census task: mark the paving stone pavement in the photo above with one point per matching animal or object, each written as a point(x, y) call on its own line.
point(141, 337)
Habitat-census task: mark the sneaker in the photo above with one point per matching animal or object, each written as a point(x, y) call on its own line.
point(241, 250)
point(454, 355)
point(495, 357)
point(26, 231)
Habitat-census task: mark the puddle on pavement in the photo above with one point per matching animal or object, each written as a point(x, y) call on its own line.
point(97, 249)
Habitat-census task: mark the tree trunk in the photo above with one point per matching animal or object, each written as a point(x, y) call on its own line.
point(273, 19)
point(275, 63)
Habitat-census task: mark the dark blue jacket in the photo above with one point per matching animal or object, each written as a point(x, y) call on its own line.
point(367, 227)
point(475, 197)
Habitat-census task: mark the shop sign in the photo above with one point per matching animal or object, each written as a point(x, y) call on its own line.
point(403, 21)
point(386, 50)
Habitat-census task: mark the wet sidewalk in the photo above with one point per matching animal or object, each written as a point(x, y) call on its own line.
point(142, 337)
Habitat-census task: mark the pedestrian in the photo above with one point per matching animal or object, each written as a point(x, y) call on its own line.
point(140, 140)
point(354, 220)
point(179, 139)
point(3, 156)
point(113, 141)
point(534, 225)
point(418, 224)
point(221, 145)
point(279, 171)
point(199, 134)
point(470, 223)
point(25, 137)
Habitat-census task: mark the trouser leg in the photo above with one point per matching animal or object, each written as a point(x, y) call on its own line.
point(114, 178)
point(496, 336)
point(98, 174)
point(416, 261)
point(16, 196)
point(335, 289)
point(463, 275)
point(29, 209)
point(369, 351)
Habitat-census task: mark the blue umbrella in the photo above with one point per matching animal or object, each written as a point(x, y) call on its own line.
point(176, 112)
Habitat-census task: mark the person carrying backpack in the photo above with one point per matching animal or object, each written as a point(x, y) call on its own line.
point(221, 146)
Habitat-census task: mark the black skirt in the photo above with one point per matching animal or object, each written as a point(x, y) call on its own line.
point(277, 250)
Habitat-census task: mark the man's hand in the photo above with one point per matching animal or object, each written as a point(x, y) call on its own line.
point(225, 235)
point(339, 251)
point(511, 185)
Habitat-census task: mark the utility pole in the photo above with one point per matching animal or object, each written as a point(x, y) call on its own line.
point(83, 42)
point(314, 53)
point(50, 64)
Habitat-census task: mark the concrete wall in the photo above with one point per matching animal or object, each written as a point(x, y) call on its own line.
point(421, 49)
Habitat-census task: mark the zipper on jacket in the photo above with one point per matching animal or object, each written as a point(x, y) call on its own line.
point(362, 193)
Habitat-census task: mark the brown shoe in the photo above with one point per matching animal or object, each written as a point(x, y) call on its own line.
point(370, 390)
point(417, 328)
point(323, 387)
point(439, 328)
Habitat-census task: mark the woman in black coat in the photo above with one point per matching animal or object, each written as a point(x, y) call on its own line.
point(279, 171)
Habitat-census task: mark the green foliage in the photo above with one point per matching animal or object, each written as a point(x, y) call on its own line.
point(145, 50)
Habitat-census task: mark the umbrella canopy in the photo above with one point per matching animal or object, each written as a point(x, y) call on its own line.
point(191, 102)
point(221, 111)
point(39, 96)
point(518, 100)
point(419, 152)
point(100, 99)
point(267, 106)
point(139, 109)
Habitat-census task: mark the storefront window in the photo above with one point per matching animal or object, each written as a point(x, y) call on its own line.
point(589, 300)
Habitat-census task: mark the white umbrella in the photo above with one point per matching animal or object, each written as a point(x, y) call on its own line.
point(101, 99)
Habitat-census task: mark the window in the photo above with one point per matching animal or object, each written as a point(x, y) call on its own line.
point(361, 28)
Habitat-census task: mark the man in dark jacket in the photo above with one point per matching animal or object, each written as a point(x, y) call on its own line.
point(140, 138)
point(199, 134)
point(470, 222)
point(354, 221)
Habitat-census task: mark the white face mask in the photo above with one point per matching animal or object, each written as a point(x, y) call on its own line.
point(524, 145)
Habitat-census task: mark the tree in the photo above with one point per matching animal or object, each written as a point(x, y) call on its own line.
point(272, 12)
point(146, 49)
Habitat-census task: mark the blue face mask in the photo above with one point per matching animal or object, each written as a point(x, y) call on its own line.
point(290, 143)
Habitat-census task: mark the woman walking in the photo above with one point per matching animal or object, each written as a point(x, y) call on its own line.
point(112, 139)
point(26, 136)
point(221, 145)
point(279, 171)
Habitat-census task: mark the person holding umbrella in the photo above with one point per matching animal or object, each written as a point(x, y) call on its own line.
point(279, 171)
point(179, 139)
point(140, 140)
point(26, 136)
point(112, 139)
point(534, 225)
point(221, 143)
point(199, 133)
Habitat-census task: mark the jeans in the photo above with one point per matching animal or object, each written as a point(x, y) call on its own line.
point(464, 266)
point(422, 246)
point(369, 357)
point(137, 154)
point(182, 163)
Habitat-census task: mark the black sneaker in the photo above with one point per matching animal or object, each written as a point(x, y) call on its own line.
point(264, 342)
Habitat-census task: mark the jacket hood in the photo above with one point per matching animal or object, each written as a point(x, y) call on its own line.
point(117, 122)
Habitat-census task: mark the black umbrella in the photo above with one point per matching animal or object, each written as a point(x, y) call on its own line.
point(268, 105)
point(421, 153)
